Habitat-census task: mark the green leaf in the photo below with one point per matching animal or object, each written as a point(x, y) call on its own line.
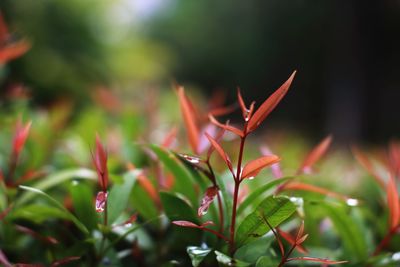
point(177, 209)
point(225, 260)
point(82, 199)
point(353, 238)
point(266, 261)
point(254, 250)
point(274, 209)
point(37, 213)
point(183, 178)
point(143, 203)
point(197, 254)
point(252, 198)
point(56, 179)
point(119, 196)
point(68, 215)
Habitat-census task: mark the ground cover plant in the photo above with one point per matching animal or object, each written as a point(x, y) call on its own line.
point(108, 187)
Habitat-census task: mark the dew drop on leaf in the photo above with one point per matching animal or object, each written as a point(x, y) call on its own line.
point(101, 200)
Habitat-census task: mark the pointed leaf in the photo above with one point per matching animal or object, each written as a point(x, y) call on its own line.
point(225, 126)
point(312, 188)
point(274, 209)
point(265, 109)
point(189, 119)
point(34, 234)
point(13, 51)
point(242, 104)
point(221, 152)
point(393, 203)
point(207, 199)
point(292, 241)
point(148, 187)
point(20, 136)
point(186, 224)
point(100, 162)
point(252, 168)
point(315, 154)
point(367, 164)
point(326, 261)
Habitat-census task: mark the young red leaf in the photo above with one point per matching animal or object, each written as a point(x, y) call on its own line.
point(367, 164)
point(242, 104)
point(315, 154)
point(252, 168)
point(64, 261)
point(3, 260)
point(189, 119)
point(312, 188)
point(266, 108)
point(220, 151)
point(394, 158)
point(13, 51)
point(46, 239)
point(217, 137)
point(316, 260)
point(169, 138)
point(101, 201)
point(20, 136)
point(393, 203)
point(192, 225)
point(100, 162)
point(275, 168)
point(207, 199)
point(149, 188)
point(225, 126)
point(292, 241)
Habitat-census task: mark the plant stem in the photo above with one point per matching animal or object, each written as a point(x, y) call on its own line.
point(236, 192)
point(385, 241)
point(220, 206)
point(286, 256)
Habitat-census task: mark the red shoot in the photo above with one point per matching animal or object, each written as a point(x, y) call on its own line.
point(315, 155)
point(100, 163)
point(20, 136)
point(220, 151)
point(393, 203)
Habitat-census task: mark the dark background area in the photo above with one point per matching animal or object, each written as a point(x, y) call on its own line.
point(347, 54)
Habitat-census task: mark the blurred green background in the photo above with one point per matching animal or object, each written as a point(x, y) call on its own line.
point(346, 54)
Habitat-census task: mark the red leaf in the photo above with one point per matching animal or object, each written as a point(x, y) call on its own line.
point(169, 138)
point(218, 136)
point(101, 201)
point(4, 260)
point(189, 119)
point(316, 260)
point(292, 241)
point(394, 158)
point(393, 203)
point(20, 136)
point(312, 188)
point(46, 239)
point(100, 162)
point(275, 168)
point(13, 51)
point(208, 198)
point(367, 164)
point(252, 168)
point(220, 151)
point(186, 224)
point(266, 108)
point(64, 261)
point(315, 154)
point(225, 126)
point(149, 188)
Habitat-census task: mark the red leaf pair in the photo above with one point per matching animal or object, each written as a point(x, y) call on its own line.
point(393, 203)
point(207, 199)
point(100, 163)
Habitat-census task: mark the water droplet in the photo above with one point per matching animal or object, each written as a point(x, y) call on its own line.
point(101, 200)
point(251, 178)
point(396, 256)
point(193, 160)
point(352, 202)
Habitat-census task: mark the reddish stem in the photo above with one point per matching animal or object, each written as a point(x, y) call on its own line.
point(216, 233)
point(385, 241)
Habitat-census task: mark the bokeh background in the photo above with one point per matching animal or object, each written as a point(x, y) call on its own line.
point(347, 54)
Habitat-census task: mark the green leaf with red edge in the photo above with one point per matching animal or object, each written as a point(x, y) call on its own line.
point(316, 154)
point(189, 119)
point(393, 203)
point(274, 209)
point(253, 167)
point(221, 152)
point(269, 105)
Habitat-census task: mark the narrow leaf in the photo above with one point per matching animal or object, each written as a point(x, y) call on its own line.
point(64, 261)
point(252, 168)
point(13, 51)
point(47, 239)
point(266, 108)
point(189, 119)
point(242, 104)
point(207, 199)
point(315, 154)
point(393, 203)
point(367, 164)
point(221, 152)
point(100, 163)
point(326, 261)
point(292, 241)
point(312, 188)
point(225, 126)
